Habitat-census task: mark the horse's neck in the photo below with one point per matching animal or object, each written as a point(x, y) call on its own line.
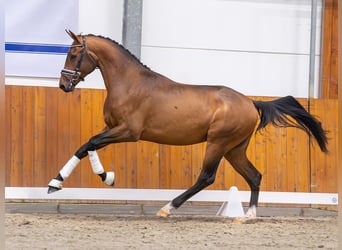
point(115, 70)
point(120, 71)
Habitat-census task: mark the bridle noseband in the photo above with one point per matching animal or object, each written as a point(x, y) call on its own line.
point(74, 75)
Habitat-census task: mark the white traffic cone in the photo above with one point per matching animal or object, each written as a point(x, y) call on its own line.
point(232, 207)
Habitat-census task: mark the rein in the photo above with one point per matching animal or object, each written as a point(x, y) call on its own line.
point(74, 75)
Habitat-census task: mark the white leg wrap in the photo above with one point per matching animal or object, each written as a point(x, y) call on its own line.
point(168, 207)
point(55, 183)
point(110, 177)
point(69, 167)
point(165, 211)
point(95, 162)
point(251, 212)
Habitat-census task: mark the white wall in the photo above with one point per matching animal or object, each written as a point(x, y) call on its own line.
point(259, 47)
point(105, 19)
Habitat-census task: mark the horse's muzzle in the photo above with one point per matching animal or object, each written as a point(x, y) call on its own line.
point(71, 77)
point(69, 88)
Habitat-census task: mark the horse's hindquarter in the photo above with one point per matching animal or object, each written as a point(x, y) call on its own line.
point(188, 114)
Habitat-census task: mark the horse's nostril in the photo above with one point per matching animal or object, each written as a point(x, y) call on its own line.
point(62, 87)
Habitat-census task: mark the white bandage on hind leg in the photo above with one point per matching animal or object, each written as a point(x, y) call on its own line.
point(251, 212)
point(95, 162)
point(69, 167)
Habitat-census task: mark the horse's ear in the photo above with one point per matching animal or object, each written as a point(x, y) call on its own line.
point(73, 36)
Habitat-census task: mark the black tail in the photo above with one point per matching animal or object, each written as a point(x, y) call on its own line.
point(278, 112)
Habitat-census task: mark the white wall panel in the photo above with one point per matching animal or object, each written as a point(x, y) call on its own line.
point(249, 73)
point(257, 47)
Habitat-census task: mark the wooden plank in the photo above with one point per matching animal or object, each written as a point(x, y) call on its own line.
point(131, 165)
point(276, 160)
point(86, 132)
point(330, 50)
point(181, 173)
point(40, 163)
point(74, 132)
point(148, 165)
point(165, 164)
point(28, 135)
point(119, 163)
point(16, 162)
point(8, 135)
point(298, 171)
point(326, 53)
point(324, 166)
point(52, 132)
point(333, 93)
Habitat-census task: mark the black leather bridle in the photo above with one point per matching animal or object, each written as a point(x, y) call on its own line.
point(74, 75)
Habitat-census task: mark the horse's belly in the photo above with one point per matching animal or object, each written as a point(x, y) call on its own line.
point(175, 136)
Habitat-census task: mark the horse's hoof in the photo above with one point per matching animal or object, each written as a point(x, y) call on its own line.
point(240, 220)
point(245, 220)
point(52, 189)
point(162, 213)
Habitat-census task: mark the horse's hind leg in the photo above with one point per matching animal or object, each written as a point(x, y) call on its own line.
point(207, 176)
point(238, 159)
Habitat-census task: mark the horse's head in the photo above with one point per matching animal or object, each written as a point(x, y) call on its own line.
point(79, 63)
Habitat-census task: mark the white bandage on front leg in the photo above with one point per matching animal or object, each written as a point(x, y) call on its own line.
point(55, 183)
point(69, 167)
point(98, 168)
point(110, 178)
point(95, 162)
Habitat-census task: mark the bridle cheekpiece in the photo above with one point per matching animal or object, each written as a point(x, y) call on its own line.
point(74, 75)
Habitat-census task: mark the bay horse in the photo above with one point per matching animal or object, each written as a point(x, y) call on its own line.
point(144, 105)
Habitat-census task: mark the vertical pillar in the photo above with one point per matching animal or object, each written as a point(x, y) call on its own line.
point(312, 48)
point(339, 167)
point(131, 31)
point(2, 125)
point(312, 72)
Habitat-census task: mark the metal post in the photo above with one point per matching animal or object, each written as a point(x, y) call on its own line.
point(131, 31)
point(2, 125)
point(312, 70)
point(312, 48)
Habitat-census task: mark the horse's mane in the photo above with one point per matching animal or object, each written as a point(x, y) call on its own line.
point(122, 48)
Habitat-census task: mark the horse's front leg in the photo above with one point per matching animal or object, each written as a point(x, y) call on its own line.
point(117, 134)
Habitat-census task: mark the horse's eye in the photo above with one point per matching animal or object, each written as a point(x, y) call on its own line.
point(72, 57)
